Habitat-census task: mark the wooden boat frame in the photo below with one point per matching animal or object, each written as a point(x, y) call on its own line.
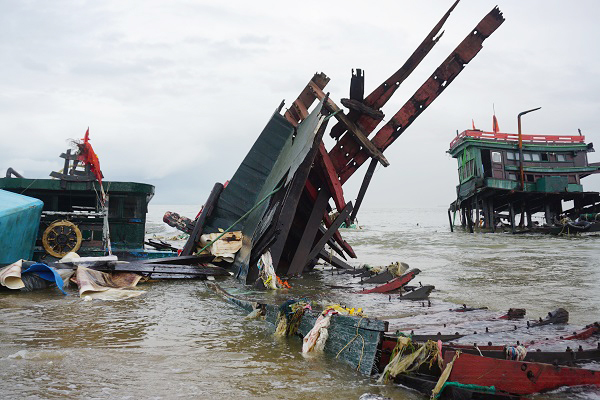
point(354, 340)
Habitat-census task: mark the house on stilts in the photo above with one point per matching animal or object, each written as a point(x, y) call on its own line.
point(505, 178)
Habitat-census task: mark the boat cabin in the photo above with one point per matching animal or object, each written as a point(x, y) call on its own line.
point(498, 178)
point(73, 218)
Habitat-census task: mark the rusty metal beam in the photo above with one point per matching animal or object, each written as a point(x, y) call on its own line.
point(427, 93)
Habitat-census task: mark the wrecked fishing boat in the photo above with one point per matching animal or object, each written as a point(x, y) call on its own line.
point(354, 339)
point(79, 216)
point(279, 197)
point(502, 175)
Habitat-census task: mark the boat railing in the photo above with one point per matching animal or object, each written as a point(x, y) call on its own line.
point(515, 137)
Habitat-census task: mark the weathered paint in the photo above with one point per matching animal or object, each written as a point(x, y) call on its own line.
point(348, 156)
point(518, 377)
point(352, 339)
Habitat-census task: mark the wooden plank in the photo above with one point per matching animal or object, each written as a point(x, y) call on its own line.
point(143, 268)
point(182, 260)
point(331, 243)
point(335, 225)
point(331, 178)
point(333, 260)
point(201, 220)
point(363, 188)
point(300, 109)
point(306, 98)
point(292, 198)
point(308, 236)
point(394, 284)
point(338, 237)
point(366, 144)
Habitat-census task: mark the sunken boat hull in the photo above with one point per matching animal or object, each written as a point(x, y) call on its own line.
point(356, 341)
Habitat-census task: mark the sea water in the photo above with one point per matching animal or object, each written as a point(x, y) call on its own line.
point(180, 340)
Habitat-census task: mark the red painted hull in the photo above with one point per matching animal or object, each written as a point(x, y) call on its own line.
point(452, 346)
point(393, 285)
point(584, 334)
point(517, 377)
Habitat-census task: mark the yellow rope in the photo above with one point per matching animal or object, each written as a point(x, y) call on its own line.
point(362, 352)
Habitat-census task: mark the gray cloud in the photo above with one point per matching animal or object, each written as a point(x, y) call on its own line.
point(176, 92)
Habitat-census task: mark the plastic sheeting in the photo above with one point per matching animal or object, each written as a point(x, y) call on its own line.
point(17, 276)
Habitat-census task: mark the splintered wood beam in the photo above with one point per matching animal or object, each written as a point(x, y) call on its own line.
point(201, 220)
point(347, 157)
point(364, 143)
point(292, 198)
point(331, 178)
point(335, 225)
point(308, 236)
point(299, 109)
point(384, 92)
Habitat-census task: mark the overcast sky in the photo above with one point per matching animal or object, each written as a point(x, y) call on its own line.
point(175, 92)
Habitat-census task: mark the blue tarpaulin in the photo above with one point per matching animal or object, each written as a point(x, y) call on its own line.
point(47, 273)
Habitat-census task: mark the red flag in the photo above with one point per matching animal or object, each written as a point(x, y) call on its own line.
point(473, 122)
point(495, 126)
point(89, 157)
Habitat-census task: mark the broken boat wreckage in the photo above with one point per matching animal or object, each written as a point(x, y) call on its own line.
point(278, 199)
point(424, 362)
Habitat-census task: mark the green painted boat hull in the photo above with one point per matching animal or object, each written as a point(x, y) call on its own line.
point(356, 341)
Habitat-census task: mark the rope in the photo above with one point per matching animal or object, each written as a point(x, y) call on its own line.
point(362, 351)
point(34, 181)
point(241, 218)
point(331, 115)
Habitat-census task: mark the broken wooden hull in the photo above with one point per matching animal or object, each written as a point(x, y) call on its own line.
point(354, 340)
point(421, 293)
point(518, 377)
point(394, 284)
point(568, 358)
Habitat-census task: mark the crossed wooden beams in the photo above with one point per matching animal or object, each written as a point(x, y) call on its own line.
point(354, 147)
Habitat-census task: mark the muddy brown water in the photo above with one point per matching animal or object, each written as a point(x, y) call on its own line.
point(179, 340)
